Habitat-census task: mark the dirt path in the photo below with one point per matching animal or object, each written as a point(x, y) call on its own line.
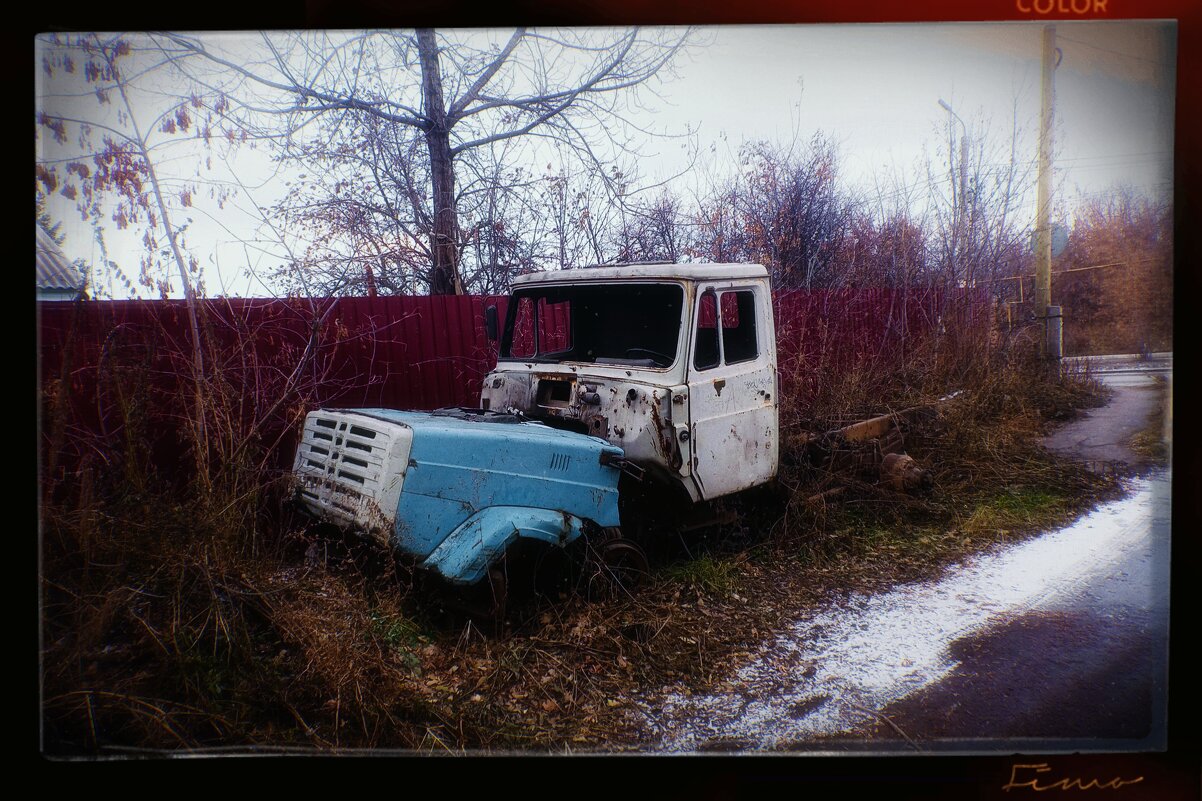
point(1060, 641)
point(1102, 437)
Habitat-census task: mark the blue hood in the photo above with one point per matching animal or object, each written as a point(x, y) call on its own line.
point(464, 462)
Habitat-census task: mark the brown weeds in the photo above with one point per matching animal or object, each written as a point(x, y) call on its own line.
point(182, 620)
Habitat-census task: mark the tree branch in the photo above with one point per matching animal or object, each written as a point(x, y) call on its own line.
point(491, 70)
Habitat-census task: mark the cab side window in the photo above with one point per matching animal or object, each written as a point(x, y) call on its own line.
point(738, 327)
point(705, 350)
point(554, 331)
point(728, 317)
point(522, 344)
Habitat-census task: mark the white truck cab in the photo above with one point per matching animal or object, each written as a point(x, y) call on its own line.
point(673, 363)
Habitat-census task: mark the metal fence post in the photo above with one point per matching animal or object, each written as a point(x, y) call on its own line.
point(1055, 334)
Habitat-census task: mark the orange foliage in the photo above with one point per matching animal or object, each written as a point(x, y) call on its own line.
point(1125, 305)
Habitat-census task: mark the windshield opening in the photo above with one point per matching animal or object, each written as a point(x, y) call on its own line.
point(633, 324)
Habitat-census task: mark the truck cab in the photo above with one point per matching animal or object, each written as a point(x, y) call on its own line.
point(664, 373)
point(673, 363)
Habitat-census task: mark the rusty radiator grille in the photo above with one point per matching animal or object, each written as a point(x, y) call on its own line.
point(350, 470)
point(341, 463)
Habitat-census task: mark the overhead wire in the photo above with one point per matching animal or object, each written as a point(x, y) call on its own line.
point(1061, 37)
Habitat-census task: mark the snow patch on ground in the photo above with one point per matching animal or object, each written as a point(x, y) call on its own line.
point(828, 671)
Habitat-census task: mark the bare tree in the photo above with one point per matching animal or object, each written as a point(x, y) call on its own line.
point(880, 250)
point(357, 209)
point(975, 197)
point(100, 143)
point(654, 230)
point(793, 212)
point(1116, 283)
point(584, 208)
point(459, 93)
point(719, 232)
point(899, 247)
point(505, 229)
point(100, 149)
point(115, 120)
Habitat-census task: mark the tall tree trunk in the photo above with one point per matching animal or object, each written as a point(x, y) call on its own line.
point(444, 277)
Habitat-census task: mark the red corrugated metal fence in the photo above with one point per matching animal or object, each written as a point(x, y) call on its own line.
point(99, 360)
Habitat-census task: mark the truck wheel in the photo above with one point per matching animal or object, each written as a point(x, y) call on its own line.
point(615, 566)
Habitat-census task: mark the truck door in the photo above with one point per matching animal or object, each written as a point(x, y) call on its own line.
point(732, 387)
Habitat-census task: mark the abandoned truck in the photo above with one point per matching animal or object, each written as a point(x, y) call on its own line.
point(620, 393)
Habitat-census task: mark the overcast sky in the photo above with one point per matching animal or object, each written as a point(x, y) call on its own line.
point(874, 89)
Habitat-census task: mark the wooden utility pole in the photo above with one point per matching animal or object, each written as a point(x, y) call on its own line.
point(1043, 200)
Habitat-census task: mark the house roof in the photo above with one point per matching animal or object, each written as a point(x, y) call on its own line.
point(53, 269)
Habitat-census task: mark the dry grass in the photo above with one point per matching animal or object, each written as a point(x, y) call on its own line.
point(1149, 443)
point(175, 622)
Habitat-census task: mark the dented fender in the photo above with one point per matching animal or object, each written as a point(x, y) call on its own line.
point(466, 554)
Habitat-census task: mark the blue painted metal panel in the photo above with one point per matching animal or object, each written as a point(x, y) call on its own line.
point(459, 468)
point(465, 555)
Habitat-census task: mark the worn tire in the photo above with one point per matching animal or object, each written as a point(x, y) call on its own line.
point(614, 566)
